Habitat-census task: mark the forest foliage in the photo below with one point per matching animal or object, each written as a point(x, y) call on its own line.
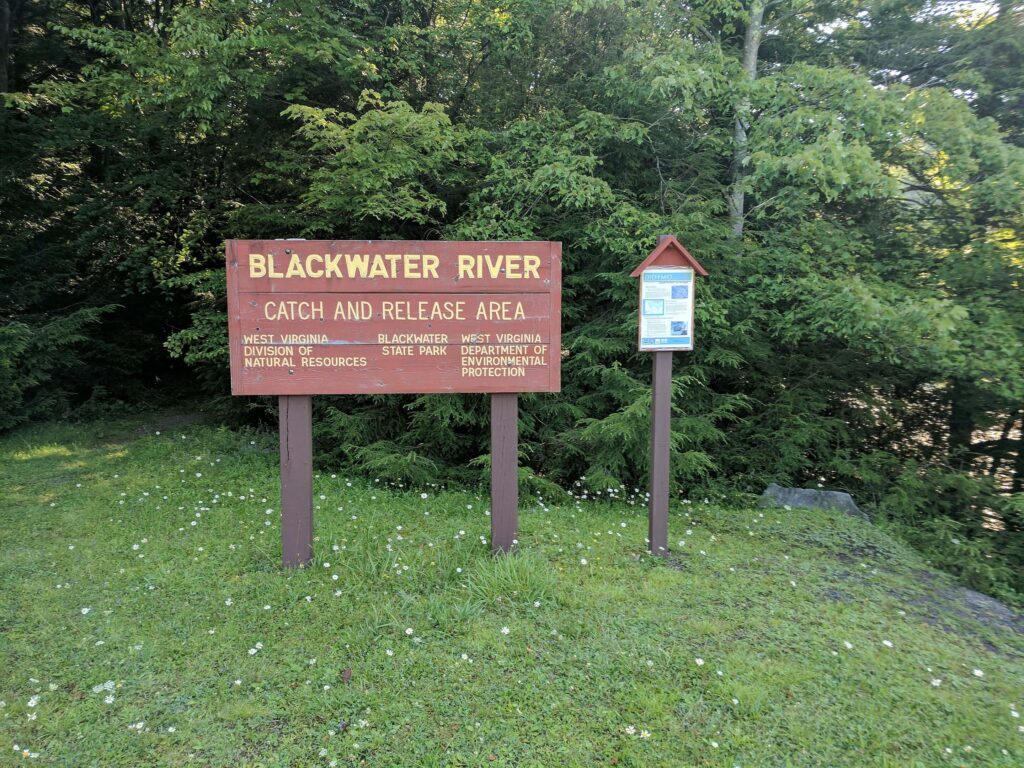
point(850, 173)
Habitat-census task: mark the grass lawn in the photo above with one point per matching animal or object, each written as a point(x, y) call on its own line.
point(144, 620)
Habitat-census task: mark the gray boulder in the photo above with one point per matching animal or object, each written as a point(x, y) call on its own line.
point(809, 498)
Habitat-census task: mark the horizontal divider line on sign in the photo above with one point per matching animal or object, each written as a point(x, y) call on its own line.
point(361, 290)
point(343, 342)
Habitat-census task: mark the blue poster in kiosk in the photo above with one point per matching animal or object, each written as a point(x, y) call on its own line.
point(666, 309)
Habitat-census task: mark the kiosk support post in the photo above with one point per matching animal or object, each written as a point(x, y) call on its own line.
point(504, 470)
point(296, 430)
point(661, 429)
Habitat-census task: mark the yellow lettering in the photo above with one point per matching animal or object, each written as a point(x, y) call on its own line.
point(430, 266)
point(332, 265)
point(257, 265)
point(412, 266)
point(500, 310)
point(295, 267)
point(292, 310)
point(309, 265)
point(353, 310)
point(357, 264)
point(531, 266)
point(465, 266)
point(271, 272)
point(493, 267)
point(378, 269)
point(512, 267)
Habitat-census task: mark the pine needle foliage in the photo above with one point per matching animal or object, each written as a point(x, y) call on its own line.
point(862, 327)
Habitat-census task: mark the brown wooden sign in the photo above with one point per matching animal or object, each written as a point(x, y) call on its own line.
point(340, 317)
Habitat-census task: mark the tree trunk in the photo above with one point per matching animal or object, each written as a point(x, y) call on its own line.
point(6, 26)
point(961, 423)
point(1017, 485)
point(740, 153)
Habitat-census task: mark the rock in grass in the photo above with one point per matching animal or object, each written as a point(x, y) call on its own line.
point(809, 498)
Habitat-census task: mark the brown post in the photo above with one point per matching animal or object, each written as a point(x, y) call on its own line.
point(296, 428)
point(504, 470)
point(661, 429)
point(670, 254)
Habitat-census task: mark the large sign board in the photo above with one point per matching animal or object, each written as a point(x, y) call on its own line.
point(336, 317)
point(666, 309)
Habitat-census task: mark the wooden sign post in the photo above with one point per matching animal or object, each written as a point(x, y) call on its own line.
point(668, 282)
point(346, 317)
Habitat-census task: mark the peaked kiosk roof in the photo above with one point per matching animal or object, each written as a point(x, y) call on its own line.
point(669, 253)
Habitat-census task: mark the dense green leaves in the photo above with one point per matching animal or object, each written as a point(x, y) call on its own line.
point(863, 326)
point(376, 166)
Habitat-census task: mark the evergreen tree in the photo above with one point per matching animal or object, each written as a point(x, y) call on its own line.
point(849, 172)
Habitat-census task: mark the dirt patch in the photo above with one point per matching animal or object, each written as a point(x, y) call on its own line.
point(858, 553)
point(675, 562)
point(837, 596)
